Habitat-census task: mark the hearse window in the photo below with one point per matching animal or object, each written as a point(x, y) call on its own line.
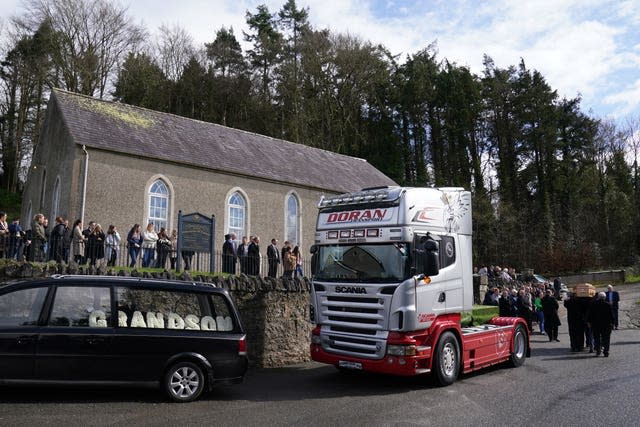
point(21, 307)
point(81, 306)
point(165, 309)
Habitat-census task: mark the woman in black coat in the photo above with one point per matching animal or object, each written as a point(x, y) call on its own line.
point(96, 245)
point(551, 319)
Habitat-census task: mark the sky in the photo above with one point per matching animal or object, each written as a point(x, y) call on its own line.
point(586, 48)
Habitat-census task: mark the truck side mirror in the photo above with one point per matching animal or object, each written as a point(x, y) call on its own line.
point(430, 259)
point(314, 259)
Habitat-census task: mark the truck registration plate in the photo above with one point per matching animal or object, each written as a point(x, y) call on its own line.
point(349, 365)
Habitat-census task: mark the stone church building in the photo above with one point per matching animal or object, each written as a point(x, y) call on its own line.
point(119, 164)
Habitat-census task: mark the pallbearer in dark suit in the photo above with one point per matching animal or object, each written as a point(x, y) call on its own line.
point(614, 301)
point(600, 319)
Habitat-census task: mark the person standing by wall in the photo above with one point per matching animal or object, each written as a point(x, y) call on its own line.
point(613, 298)
point(149, 239)
point(112, 243)
point(273, 258)
point(243, 255)
point(134, 242)
point(163, 248)
point(296, 253)
point(4, 236)
point(38, 238)
point(288, 262)
point(228, 256)
point(174, 248)
point(57, 240)
point(15, 240)
point(77, 242)
point(600, 319)
point(96, 246)
point(254, 257)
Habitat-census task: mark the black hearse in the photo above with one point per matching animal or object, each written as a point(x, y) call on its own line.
point(115, 330)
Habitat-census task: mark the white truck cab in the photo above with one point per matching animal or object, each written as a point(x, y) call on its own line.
point(391, 272)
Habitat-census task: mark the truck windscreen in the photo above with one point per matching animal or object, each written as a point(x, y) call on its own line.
point(388, 262)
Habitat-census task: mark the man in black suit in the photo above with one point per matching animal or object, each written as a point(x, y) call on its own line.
point(273, 257)
point(228, 256)
point(254, 257)
point(243, 255)
point(613, 299)
point(600, 320)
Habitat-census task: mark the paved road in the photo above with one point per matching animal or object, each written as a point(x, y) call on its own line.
point(554, 387)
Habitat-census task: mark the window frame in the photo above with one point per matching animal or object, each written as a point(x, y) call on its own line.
point(297, 226)
point(238, 231)
point(159, 222)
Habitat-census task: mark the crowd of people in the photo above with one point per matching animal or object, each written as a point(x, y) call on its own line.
point(248, 257)
point(590, 319)
point(151, 248)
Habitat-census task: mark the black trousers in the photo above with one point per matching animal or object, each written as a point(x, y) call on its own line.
point(601, 338)
point(552, 332)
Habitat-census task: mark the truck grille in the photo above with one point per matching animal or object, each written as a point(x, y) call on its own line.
point(354, 325)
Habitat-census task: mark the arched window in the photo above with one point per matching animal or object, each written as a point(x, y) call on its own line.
point(55, 207)
point(292, 219)
point(237, 213)
point(158, 204)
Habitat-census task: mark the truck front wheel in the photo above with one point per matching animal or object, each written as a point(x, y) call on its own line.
point(446, 363)
point(519, 346)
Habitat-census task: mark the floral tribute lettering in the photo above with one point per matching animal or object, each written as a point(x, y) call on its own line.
point(190, 322)
point(98, 319)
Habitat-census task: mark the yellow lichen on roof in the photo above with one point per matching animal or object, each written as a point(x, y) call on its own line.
point(119, 112)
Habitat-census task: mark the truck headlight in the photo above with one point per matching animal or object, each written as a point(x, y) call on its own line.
point(401, 350)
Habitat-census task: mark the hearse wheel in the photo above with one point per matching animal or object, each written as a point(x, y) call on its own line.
point(519, 347)
point(446, 362)
point(184, 382)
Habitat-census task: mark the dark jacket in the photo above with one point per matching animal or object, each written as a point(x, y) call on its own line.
point(254, 259)
point(95, 245)
point(614, 300)
point(600, 316)
point(550, 310)
point(504, 306)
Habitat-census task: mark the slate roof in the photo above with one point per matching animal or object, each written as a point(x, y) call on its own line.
point(140, 132)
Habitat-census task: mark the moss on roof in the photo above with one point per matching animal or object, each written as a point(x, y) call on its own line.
point(116, 111)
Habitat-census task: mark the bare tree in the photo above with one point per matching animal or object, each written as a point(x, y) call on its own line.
point(91, 39)
point(174, 49)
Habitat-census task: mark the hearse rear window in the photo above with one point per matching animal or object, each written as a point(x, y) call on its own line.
point(83, 306)
point(165, 309)
point(21, 307)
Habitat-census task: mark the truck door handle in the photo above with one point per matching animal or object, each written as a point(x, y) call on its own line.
point(442, 297)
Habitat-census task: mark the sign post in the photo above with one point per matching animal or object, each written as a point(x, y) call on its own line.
point(196, 234)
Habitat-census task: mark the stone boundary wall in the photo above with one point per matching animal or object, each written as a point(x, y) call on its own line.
point(613, 276)
point(274, 311)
